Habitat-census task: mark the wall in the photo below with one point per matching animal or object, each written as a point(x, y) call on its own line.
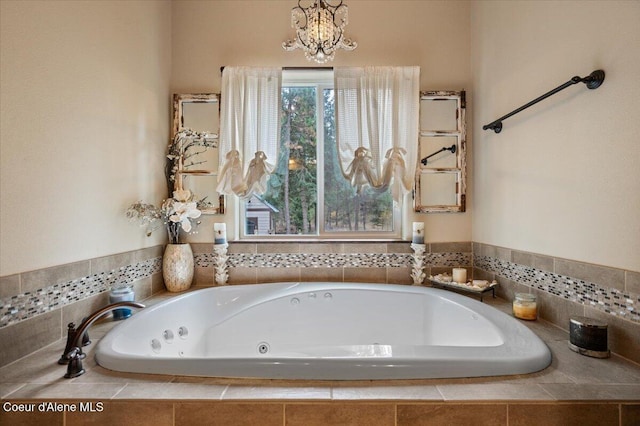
point(562, 179)
point(85, 114)
point(434, 35)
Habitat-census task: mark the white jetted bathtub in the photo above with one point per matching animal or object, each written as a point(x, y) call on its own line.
point(336, 331)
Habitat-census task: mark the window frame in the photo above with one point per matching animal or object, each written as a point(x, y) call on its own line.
point(321, 79)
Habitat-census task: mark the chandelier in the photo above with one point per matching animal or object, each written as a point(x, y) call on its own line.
point(319, 30)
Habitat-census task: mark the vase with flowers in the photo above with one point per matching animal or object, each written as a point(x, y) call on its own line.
point(177, 214)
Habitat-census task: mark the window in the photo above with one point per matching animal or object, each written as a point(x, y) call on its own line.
point(307, 194)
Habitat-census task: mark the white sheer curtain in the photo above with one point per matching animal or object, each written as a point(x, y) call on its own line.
point(377, 111)
point(249, 129)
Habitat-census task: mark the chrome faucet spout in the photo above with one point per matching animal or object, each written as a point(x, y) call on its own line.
point(74, 355)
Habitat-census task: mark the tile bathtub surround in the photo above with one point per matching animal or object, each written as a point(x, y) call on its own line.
point(31, 303)
point(78, 287)
point(568, 288)
point(36, 306)
point(573, 390)
point(330, 261)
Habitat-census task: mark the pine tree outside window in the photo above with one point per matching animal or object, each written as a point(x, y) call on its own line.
point(307, 195)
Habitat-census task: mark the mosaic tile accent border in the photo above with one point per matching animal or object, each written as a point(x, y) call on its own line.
point(334, 260)
point(610, 300)
point(29, 304)
point(26, 305)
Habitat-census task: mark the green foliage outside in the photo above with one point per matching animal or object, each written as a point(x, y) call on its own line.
point(292, 188)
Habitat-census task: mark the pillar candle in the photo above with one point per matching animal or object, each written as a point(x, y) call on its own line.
point(459, 275)
point(418, 233)
point(220, 233)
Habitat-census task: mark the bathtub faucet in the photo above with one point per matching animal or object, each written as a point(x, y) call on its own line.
point(73, 353)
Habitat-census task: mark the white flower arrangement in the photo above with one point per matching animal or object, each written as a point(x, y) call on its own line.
point(176, 213)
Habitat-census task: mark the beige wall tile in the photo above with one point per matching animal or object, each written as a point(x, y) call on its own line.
point(157, 283)
point(242, 248)
point(275, 247)
point(556, 309)
point(203, 276)
point(30, 335)
point(339, 414)
point(477, 247)
point(148, 253)
point(602, 275)
point(507, 288)
point(537, 261)
point(480, 249)
point(563, 414)
point(449, 415)
point(632, 282)
point(202, 248)
point(481, 274)
point(497, 252)
point(143, 288)
point(364, 248)
point(125, 413)
point(75, 312)
point(274, 275)
point(454, 247)
point(400, 247)
point(115, 261)
point(365, 275)
point(228, 414)
point(327, 247)
point(243, 275)
point(321, 274)
point(9, 285)
point(41, 278)
point(400, 276)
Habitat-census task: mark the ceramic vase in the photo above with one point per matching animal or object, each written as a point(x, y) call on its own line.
point(177, 267)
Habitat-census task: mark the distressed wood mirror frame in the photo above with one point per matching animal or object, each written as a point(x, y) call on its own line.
point(200, 112)
point(441, 172)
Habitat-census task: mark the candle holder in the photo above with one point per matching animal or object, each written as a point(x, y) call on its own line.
point(417, 273)
point(220, 266)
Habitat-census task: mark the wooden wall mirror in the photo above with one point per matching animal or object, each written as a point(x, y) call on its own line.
point(441, 171)
point(198, 166)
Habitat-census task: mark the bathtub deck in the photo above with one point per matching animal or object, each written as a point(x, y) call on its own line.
point(571, 377)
